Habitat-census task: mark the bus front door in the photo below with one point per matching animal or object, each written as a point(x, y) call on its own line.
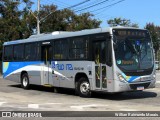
point(100, 64)
point(46, 72)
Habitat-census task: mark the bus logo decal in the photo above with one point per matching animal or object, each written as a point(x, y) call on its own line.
point(61, 66)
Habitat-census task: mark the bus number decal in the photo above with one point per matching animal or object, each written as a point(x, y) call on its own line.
point(69, 67)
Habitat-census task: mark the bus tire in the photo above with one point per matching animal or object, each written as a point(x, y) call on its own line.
point(76, 89)
point(83, 88)
point(25, 81)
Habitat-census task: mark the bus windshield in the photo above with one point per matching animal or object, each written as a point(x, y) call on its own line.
point(133, 50)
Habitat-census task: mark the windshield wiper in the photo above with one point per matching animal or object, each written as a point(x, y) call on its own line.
point(131, 47)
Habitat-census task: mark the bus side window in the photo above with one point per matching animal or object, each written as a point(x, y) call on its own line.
point(79, 48)
point(18, 52)
point(60, 49)
point(31, 51)
point(109, 52)
point(8, 53)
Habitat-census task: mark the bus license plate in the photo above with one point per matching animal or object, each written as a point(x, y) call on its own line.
point(140, 88)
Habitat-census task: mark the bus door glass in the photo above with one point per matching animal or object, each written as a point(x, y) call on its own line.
point(46, 58)
point(100, 64)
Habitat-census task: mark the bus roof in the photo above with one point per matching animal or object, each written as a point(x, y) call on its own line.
point(63, 34)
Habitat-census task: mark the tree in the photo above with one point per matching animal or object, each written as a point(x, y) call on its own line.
point(12, 26)
point(12, 20)
point(83, 21)
point(28, 21)
point(65, 20)
point(9, 22)
point(20, 24)
point(54, 22)
point(155, 35)
point(121, 22)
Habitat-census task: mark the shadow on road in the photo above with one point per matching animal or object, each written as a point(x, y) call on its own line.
point(47, 89)
point(126, 95)
point(118, 96)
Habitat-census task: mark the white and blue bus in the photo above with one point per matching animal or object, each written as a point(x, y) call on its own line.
point(114, 59)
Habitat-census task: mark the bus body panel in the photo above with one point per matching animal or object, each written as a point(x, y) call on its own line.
point(62, 73)
point(131, 83)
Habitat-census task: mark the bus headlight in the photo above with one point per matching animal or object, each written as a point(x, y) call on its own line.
point(154, 76)
point(121, 78)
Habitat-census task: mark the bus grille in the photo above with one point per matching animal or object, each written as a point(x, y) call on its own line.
point(134, 86)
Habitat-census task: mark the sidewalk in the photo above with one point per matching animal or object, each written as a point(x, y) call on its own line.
point(157, 71)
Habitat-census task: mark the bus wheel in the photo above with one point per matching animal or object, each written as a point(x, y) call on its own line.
point(84, 88)
point(25, 81)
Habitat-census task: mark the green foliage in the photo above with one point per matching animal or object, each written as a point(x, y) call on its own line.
point(9, 21)
point(20, 24)
point(66, 20)
point(121, 22)
point(12, 25)
point(155, 35)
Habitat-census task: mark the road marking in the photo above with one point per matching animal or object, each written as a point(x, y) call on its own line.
point(154, 89)
point(1, 103)
point(157, 81)
point(128, 109)
point(80, 107)
point(53, 103)
point(35, 106)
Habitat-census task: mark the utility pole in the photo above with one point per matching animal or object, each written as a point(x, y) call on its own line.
point(36, 16)
point(38, 21)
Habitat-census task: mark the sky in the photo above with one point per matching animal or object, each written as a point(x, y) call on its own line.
point(138, 11)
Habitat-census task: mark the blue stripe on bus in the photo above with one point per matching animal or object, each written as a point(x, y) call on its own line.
point(129, 78)
point(9, 67)
point(132, 78)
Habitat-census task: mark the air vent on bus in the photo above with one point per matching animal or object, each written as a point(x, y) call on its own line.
point(59, 32)
point(37, 36)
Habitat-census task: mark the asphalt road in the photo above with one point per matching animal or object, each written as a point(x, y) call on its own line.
point(38, 98)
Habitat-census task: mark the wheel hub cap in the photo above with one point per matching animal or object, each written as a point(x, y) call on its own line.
point(84, 87)
point(25, 81)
